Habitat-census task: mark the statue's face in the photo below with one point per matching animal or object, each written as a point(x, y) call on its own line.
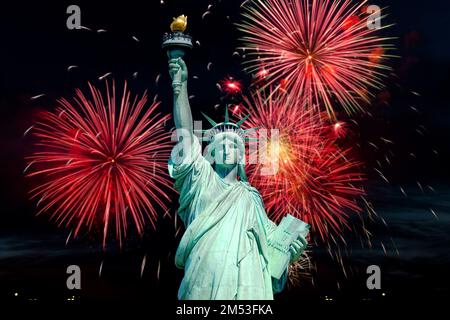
point(226, 153)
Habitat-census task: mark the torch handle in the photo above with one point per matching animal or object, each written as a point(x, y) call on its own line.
point(174, 53)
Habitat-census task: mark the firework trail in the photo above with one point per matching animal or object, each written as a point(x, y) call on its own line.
point(314, 179)
point(100, 160)
point(320, 50)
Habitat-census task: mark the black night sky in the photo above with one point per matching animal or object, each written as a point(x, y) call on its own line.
point(413, 111)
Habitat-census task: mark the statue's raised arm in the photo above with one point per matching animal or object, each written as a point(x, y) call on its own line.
point(225, 249)
point(181, 109)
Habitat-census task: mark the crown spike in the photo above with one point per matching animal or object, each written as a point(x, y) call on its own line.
point(211, 121)
point(242, 120)
point(227, 118)
point(226, 126)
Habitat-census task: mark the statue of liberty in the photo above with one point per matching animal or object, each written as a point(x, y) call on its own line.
point(224, 251)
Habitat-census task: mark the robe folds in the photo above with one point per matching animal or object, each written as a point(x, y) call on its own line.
point(224, 249)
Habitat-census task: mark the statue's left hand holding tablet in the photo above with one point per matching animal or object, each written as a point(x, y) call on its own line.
point(297, 247)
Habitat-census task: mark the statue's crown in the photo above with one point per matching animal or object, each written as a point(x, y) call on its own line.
point(226, 126)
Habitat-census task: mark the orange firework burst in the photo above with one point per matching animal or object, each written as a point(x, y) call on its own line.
point(305, 173)
point(321, 50)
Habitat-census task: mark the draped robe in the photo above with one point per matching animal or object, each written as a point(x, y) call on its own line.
point(224, 249)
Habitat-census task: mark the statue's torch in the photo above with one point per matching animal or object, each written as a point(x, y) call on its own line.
point(176, 42)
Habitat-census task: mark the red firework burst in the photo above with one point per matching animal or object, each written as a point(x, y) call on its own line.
point(231, 86)
point(101, 160)
point(321, 50)
point(305, 173)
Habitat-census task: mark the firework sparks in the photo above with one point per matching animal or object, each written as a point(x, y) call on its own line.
point(68, 238)
point(207, 13)
point(101, 161)
point(143, 263)
point(28, 130)
point(71, 67)
point(105, 75)
point(85, 28)
point(314, 179)
point(158, 270)
point(320, 50)
point(231, 86)
point(339, 129)
point(434, 214)
point(100, 269)
point(38, 96)
point(300, 271)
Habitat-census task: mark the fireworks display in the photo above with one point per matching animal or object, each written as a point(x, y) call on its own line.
point(347, 99)
point(320, 50)
point(306, 173)
point(101, 160)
